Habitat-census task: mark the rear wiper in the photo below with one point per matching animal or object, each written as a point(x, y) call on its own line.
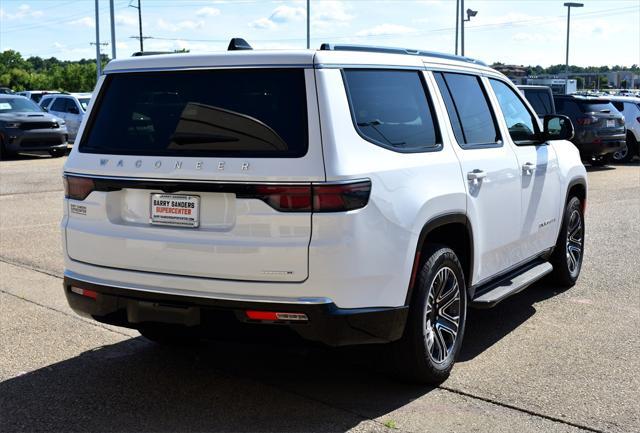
point(182, 138)
point(374, 123)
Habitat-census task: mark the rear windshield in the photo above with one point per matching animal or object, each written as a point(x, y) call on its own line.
point(596, 106)
point(234, 113)
point(540, 100)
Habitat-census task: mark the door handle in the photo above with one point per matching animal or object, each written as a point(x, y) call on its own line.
point(528, 168)
point(476, 175)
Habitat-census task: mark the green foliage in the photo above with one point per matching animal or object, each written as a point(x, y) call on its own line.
point(36, 73)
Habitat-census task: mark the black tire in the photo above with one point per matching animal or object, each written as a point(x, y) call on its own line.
point(169, 335)
point(631, 150)
point(415, 359)
point(4, 153)
point(566, 259)
point(57, 153)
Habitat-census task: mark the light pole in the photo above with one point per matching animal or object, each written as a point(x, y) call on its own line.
point(470, 13)
point(308, 24)
point(98, 56)
point(569, 5)
point(457, 23)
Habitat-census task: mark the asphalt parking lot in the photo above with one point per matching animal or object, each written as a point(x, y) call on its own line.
point(544, 361)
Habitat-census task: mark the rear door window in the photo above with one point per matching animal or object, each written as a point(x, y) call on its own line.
point(468, 107)
point(392, 109)
point(214, 113)
point(60, 105)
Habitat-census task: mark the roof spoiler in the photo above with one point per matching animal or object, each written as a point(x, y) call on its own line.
point(238, 44)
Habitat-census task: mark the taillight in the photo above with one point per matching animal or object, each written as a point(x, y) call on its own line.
point(285, 198)
point(584, 121)
point(341, 197)
point(313, 198)
point(77, 188)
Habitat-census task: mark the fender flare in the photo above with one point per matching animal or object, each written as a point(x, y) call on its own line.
point(429, 226)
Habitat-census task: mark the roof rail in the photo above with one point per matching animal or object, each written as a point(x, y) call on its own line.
point(405, 51)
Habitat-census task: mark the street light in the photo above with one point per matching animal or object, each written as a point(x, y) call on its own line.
point(470, 13)
point(569, 5)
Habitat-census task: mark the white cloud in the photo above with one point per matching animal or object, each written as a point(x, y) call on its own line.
point(263, 23)
point(122, 45)
point(126, 20)
point(84, 22)
point(58, 45)
point(386, 29)
point(23, 11)
point(330, 11)
point(284, 13)
point(208, 12)
point(179, 26)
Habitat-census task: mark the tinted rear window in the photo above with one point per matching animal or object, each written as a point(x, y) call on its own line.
point(594, 107)
point(540, 100)
point(391, 109)
point(234, 113)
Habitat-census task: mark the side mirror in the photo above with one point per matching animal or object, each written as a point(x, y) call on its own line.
point(557, 127)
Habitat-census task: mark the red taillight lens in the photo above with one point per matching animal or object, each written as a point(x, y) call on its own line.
point(340, 198)
point(286, 198)
point(316, 198)
point(273, 316)
point(584, 121)
point(77, 188)
point(84, 292)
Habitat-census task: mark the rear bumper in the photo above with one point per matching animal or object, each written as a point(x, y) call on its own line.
point(598, 148)
point(326, 323)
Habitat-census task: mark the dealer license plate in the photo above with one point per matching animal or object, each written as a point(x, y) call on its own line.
point(611, 123)
point(175, 210)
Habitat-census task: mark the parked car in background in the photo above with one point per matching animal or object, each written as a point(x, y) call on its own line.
point(24, 126)
point(6, 91)
point(36, 95)
point(599, 127)
point(630, 109)
point(540, 98)
point(69, 106)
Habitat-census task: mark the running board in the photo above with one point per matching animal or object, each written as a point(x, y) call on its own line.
point(515, 282)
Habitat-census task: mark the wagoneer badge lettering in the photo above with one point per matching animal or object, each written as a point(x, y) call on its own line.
point(220, 166)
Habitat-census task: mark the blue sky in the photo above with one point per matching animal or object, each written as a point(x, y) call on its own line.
point(604, 32)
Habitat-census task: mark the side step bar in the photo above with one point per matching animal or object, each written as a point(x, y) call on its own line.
point(489, 295)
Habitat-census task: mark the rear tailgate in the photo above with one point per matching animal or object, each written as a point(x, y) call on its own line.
point(198, 173)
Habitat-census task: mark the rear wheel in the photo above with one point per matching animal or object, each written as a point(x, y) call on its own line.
point(435, 326)
point(569, 249)
point(627, 153)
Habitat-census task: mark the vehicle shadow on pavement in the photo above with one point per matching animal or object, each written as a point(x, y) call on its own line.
point(486, 327)
point(135, 385)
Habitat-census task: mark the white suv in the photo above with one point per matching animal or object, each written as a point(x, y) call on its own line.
point(629, 107)
point(350, 195)
point(69, 106)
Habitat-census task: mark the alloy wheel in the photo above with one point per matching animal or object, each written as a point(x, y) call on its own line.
point(442, 316)
point(621, 154)
point(575, 236)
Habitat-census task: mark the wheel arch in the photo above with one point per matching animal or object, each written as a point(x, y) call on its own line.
point(452, 230)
